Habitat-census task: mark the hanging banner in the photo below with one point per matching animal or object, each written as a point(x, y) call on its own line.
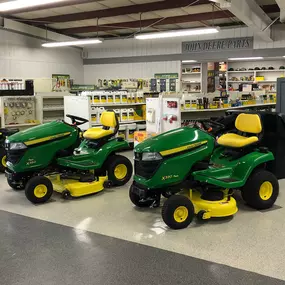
point(218, 45)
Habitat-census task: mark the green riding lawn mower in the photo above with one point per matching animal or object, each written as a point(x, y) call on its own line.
point(4, 134)
point(55, 157)
point(250, 157)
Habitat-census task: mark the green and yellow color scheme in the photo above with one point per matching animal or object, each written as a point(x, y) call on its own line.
point(76, 188)
point(213, 209)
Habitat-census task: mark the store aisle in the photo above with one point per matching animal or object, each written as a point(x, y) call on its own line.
point(251, 240)
point(37, 252)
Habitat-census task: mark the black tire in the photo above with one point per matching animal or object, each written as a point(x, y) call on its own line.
point(136, 199)
point(200, 216)
point(112, 165)
point(251, 192)
point(2, 158)
point(171, 206)
point(46, 191)
point(17, 186)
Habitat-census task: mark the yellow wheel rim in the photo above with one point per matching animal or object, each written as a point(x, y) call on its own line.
point(121, 171)
point(40, 191)
point(4, 161)
point(180, 214)
point(266, 191)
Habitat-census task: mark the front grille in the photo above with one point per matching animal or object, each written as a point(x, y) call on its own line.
point(14, 156)
point(146, 169)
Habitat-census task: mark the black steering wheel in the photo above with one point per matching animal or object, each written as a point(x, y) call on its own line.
point(77, 121)
point(212, 126)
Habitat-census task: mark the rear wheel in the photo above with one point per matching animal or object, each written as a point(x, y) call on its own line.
point(261, 190)
point(120, 170)
point(3, 160)
point(39, 189)
point(178, 212)
point(136, 200)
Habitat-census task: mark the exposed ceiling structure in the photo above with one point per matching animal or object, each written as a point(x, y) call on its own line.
point(124, 18)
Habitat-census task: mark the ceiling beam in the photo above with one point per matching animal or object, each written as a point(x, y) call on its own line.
point(146, 23)
point(119, 11)
point(281, 4)
point(50, 6)
point(249, 12)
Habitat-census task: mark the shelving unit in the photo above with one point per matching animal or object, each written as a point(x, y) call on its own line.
point(189, 79)
point(50, 106)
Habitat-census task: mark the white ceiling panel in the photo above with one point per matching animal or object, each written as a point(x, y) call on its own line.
point(198, 9)
point(145, 16)
point(144, 1)
point(116, 3)
point(171, 12)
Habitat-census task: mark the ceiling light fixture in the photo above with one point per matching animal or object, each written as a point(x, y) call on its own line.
point(177, 33)
point(19, 4)
point(72, 43)
point(188, 61)
point(245, 58)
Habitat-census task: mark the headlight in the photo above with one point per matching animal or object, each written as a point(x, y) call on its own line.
point(148, 156)
point(16, 146)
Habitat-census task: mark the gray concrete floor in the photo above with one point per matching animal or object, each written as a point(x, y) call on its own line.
point(251, 241)
point(35, 252)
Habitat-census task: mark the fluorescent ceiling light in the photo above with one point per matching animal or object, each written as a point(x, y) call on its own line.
point(72, 43)
point(19, 4)
point(177, 33)
point(186, 61)
point(245, 58)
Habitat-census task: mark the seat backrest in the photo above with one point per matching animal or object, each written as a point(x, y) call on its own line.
point(108, 119)
point(249, 123)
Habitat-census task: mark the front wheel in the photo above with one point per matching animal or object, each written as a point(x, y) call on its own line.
point(178, 212)
point(120, 170)
point(39, 189)
point(261, 190)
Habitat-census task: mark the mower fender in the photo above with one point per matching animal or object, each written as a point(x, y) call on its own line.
point(249, 163)
point(92, 159)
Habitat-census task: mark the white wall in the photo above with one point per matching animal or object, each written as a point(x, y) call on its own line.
point(128, 70)
point(133, 47)
point(22, 56)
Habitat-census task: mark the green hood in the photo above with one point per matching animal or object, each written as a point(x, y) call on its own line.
point(42, 131)
point(174, 139)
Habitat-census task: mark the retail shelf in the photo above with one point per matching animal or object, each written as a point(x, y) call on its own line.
point(121, 123)
point(275, 70)
point(266, 81)
point(191, 82)
point(230, 108)
point(190, 73)
point(245, 71)
point(22, 125)
point(116, 104)
point(51, 120)
point(49, 109)
point(240, 81)
point(56, 96)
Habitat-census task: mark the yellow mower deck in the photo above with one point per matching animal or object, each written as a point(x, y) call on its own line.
point(76, 188)
point(213, 209)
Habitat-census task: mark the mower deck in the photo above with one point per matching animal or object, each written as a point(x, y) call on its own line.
point(76, 188)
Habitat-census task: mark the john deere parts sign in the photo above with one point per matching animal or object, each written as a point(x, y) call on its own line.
point(218, 45)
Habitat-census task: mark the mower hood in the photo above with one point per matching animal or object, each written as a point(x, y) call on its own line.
point(175, 141)
point(42, 133)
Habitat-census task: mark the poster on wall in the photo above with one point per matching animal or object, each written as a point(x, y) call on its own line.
point(61, 82)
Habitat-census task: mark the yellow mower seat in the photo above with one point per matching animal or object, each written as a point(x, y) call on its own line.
point(245, 123)
point(108, 120)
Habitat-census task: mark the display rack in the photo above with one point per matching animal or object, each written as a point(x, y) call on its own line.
point(18, 111)
point(84, 107)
